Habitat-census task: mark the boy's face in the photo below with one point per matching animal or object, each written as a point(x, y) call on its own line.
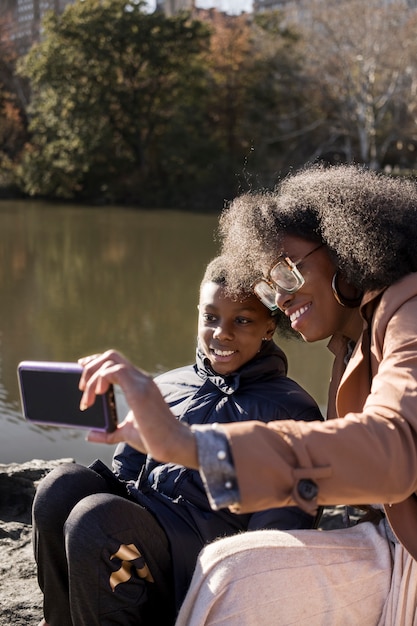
point(230, 332)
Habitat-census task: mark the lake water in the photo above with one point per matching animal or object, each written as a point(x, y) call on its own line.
point(78, 280)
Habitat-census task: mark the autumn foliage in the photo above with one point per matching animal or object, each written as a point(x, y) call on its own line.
point(128, 106)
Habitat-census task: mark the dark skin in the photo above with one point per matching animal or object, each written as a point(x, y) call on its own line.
point(313, 310)
point(230, 333)
point(150, 426)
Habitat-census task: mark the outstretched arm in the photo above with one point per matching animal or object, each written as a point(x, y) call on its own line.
point(149, 426)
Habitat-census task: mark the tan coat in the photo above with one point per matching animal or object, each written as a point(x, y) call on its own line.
point(369, 456)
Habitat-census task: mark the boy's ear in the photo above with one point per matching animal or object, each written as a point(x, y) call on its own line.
point(271, 329)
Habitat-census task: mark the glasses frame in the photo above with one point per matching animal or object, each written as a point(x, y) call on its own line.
point(274, 284)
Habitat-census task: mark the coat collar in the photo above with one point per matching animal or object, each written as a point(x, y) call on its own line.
point(352, 364)
point(270, 359)
point(351, 382)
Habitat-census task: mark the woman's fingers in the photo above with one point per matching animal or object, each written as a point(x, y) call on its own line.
point(127, 431)
point(150, 427)
point(99, 372)
point(91, 364)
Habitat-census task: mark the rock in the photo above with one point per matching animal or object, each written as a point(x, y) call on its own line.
point(21, 599)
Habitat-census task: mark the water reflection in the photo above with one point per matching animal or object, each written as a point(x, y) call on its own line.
point(74, 281)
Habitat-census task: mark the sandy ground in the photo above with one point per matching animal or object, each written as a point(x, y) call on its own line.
point(20, 597)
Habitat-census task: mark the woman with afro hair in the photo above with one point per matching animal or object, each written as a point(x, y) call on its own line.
point(334, 249)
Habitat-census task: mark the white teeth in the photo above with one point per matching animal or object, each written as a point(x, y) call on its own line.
point(223, 352)
point(298, 313)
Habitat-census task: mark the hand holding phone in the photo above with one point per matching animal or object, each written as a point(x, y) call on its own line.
point(50, 396)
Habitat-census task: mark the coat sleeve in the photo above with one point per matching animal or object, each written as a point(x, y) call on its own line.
point(343, 461)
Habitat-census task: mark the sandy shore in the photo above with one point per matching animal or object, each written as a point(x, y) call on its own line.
point(20, 597)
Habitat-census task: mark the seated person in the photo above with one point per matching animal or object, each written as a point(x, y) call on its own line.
point(120, 548)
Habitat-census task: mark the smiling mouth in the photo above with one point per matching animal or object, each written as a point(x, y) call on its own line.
point(223, 353)
point(298, 313)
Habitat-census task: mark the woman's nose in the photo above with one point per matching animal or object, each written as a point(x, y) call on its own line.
point(283, 299)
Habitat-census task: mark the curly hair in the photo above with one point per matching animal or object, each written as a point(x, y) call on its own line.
point(367, 220)
point(219, 272)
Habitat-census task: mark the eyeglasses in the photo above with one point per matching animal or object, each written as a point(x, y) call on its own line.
point(284, 276)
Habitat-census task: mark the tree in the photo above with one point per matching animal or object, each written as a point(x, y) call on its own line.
point(360, 74)
point(277, 112)
point(109, 84)
point(252, 65)
point(12, 100)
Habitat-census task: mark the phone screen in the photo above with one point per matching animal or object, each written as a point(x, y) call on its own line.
point(50, 395)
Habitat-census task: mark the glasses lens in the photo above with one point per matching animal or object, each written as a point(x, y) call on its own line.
point(265, 293)
point(287, 277)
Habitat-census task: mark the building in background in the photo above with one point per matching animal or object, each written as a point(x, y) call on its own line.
point(22, 19)
point(295, 6)
point(260, 6)
point(170, 7)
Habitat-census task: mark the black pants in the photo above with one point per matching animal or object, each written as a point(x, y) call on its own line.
point(102, 559)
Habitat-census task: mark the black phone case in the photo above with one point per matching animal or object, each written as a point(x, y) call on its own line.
point(50, 396)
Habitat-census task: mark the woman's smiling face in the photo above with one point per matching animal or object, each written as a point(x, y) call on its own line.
point(313, 309)
point(230, 332)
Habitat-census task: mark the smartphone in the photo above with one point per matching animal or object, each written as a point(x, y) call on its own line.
point(50, 396)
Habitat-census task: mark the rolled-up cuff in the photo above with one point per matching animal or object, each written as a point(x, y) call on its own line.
point(217, 469)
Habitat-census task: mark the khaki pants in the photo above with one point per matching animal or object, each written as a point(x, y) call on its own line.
point(347, 577)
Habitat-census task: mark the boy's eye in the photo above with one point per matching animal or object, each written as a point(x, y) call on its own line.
point(209, 317)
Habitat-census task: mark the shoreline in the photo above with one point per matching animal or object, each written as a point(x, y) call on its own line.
point(21, 598)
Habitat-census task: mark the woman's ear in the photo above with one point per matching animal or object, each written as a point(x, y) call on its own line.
point(345, 294)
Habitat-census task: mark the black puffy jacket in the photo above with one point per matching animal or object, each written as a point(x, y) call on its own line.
point(260, 390)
